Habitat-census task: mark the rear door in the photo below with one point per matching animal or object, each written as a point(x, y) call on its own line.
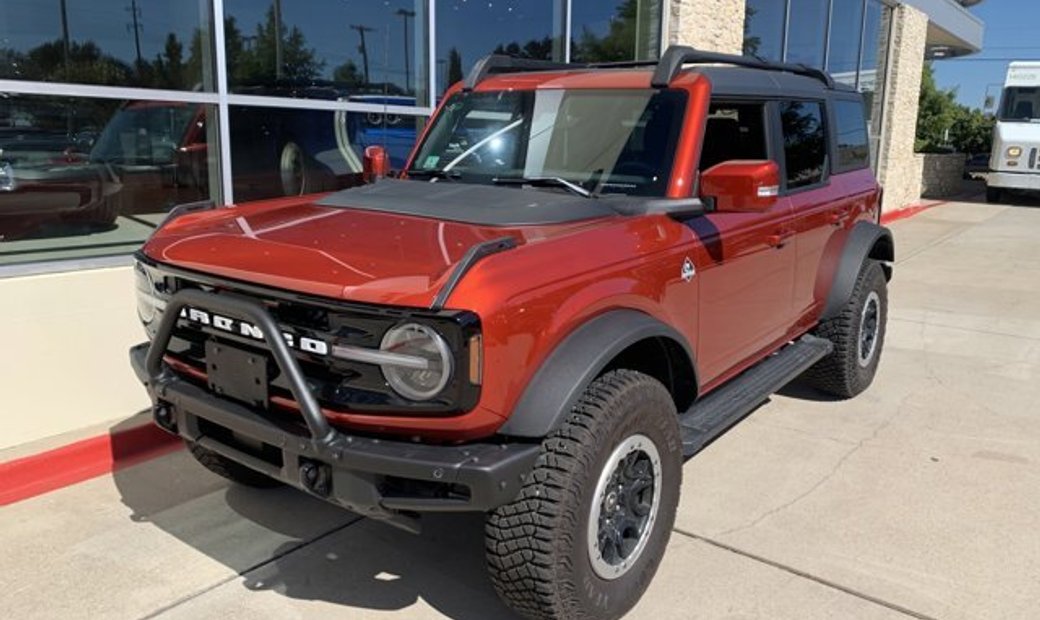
point(827, 183)
point(747, 275)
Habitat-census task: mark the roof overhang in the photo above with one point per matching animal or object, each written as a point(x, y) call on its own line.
point(952, 29)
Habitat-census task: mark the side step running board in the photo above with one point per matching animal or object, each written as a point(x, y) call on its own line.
point(712, 415)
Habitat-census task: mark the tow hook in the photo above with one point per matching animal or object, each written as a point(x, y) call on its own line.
point(316, 477)
point(163, 415)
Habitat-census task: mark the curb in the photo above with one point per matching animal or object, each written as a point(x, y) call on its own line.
point(82, 460)
point(910, 210)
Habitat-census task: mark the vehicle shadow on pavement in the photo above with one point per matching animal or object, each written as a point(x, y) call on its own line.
point(284, 541)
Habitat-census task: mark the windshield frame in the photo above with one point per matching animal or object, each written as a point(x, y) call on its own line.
point(1006, 99)
point(676, 101)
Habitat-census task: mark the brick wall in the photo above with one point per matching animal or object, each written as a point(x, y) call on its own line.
point(899, 169)
point(714, 25)
point(942, 174)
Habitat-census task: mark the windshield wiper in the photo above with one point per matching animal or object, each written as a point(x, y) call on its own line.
point(545, 182)
point(434, 174)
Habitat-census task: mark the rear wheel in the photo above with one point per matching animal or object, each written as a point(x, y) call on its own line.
point(588, 530)
point(226, 468)
point(858, 334)
point(292, 168)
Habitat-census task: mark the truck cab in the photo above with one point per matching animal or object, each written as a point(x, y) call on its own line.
point(1015, 159)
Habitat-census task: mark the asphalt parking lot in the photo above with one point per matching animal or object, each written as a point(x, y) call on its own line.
point(920, 498)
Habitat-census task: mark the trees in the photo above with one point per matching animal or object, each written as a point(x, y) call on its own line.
point(944, 125)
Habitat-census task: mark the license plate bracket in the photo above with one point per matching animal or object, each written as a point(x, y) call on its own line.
point(236, 373)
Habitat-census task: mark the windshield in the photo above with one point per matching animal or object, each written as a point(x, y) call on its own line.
point(1021, 104)
point(146, 135)
point(611, 141)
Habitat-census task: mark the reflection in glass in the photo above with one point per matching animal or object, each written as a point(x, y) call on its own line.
point(615, 31)
point(764, 28)
point(806, 32)
point(327, 48)
point(805, 147)
point(92, 176)
point(146, 43)
point(846, 30)
point(468, 30)
point(876, 28)
point(287, 152)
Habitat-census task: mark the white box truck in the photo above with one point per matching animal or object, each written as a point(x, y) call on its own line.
point(1015, 160)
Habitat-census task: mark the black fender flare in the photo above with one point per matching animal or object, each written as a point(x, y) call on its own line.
point(576, 362)
point(867, 240)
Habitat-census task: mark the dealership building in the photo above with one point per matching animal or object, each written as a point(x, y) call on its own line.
point(113, 111)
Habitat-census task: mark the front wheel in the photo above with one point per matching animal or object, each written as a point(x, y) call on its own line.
point(586, 534)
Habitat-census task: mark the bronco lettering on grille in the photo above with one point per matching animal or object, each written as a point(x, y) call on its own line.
point(248, 330)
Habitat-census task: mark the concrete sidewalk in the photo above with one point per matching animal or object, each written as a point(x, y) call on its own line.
point(920, 498)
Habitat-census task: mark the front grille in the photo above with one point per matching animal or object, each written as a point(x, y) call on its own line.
point(339, 385)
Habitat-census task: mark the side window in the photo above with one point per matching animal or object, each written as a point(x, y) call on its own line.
point(805, 142)
point(734, 131)
point(853, 148)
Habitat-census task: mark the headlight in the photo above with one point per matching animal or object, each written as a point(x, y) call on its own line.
point(149, 303)
point(1014, 151)
point(418, 381)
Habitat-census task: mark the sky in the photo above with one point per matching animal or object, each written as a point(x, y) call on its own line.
point(1012, 33)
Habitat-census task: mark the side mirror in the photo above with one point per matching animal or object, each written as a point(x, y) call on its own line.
point(742, 186)
point(376, 164)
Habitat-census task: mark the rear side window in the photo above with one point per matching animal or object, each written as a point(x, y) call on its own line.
point(805, 142)
point(853, 149)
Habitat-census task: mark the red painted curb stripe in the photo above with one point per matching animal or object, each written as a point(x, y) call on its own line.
point(40, 473)
point(909, 211)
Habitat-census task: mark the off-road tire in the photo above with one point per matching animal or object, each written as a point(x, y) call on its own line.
point(841, 373)
point(537, 545)
point(226, 468)
point(994, 194)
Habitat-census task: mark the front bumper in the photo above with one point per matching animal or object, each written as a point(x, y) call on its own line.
point(1014, 180)
point(391, 480)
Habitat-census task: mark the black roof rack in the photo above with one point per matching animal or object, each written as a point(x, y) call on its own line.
point(667, 68)
point(676, 56)
point(500, 63)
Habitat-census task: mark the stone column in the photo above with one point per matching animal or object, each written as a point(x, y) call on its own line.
point(710, 25)
point(899, 171)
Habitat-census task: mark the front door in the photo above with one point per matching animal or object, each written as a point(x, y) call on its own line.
point(747, 260)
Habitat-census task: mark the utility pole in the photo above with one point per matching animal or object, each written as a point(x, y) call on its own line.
point(407, 15)
point(65, 38)
point(135, 15)
point(278, 57)
point(363, 48)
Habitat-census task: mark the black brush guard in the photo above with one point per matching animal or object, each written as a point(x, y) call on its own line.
point(379, 478)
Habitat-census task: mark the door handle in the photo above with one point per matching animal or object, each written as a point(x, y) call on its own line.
point(780, 239)
point(838, 216)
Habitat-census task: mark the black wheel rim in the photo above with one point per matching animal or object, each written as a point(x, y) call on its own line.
point(624, 507)
point(869, 328)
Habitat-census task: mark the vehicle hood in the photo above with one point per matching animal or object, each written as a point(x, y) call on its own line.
point(333, 250)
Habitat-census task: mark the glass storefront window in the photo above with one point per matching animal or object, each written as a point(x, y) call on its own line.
point(806, 32)
point(143, 43)
point(876, 28)
point(92, 177)
point(286, 152)
point(764, 28)
point(469, 30)
point(846, 31)
point(615, 31)
point(302, 49)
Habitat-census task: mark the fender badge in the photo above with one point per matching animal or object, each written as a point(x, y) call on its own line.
point(688, 270)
